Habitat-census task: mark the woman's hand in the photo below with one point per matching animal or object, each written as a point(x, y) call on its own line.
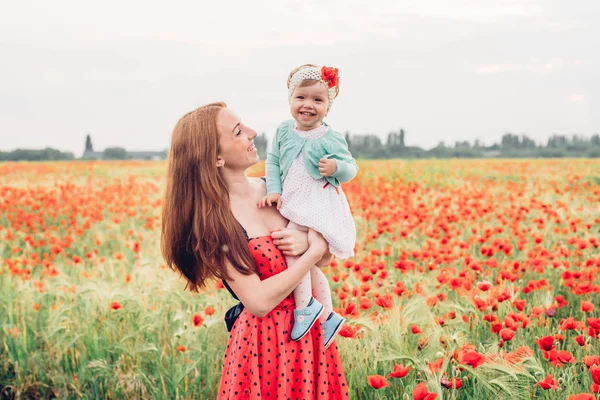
point(292, 242)
point(317, 243)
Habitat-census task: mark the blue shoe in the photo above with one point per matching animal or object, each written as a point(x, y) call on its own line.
point(331, 327)
point(305, 318)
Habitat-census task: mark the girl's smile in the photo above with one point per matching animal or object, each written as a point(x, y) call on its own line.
point(309, 106)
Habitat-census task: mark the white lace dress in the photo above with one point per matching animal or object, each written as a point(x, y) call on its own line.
point(306, 203)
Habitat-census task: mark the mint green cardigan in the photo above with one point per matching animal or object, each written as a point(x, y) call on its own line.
point(287, 145)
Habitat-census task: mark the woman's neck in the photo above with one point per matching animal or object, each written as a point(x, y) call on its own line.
point(238, 184)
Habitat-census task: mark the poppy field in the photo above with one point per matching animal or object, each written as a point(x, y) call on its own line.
point(473, 279)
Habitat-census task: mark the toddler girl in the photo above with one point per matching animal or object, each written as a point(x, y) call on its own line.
point(305, 166)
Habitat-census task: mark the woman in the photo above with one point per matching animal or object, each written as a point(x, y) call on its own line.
point(212, 228)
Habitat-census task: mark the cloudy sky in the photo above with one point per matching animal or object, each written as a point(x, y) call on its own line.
point(125, 71)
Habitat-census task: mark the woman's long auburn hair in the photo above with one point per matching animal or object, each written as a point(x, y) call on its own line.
point(199, 233)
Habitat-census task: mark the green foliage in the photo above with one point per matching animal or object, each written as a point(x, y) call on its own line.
point(47, 154)
point(88, 143)
point(115, 153)
point(369, 146)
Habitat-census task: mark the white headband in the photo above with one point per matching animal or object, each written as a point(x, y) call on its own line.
point(311, 73)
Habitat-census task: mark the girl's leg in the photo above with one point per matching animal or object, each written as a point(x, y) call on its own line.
point(302, 293)
point(321, 291)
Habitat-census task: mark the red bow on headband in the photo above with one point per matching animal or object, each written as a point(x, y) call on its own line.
point(330, 75)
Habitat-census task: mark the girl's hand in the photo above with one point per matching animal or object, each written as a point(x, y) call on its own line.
point(292, 242)
point(327, 166)
point(269, 199)
point(317, 243)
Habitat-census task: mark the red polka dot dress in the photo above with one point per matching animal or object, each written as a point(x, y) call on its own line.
point(262, 362)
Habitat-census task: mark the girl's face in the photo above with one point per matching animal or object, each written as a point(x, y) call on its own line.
point(309, 105)
point(236, 145)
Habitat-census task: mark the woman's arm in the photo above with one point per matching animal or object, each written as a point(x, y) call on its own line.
point(260, 297)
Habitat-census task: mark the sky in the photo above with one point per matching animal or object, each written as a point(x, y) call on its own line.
point(126, 71)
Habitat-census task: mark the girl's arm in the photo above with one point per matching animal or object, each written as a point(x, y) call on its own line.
point(260, 297)
point(346, 165)
point(346, 171)
point(272, 167)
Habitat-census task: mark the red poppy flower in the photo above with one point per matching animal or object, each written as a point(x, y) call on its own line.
point(414, 328)
point(558, 358)
point(115, 305)
point(473, 358)
point(586, 306)
point(591, 360)
point(377, 381)
point(421, 393)
point(548, 383)
point(455, 383)
point(546, 343)
point(330, 75)
point(593, 323)
point(520, 304)
point(365, 303)
point(496, 327)
point(181, 348)
point(507, 334)
point(400, 371)
point(595, 371)
point(582, 396)
point(570, 324)
point(436, 366)
point(349, 331)
point(209, 310)
point(385, 301)
point(197, 320)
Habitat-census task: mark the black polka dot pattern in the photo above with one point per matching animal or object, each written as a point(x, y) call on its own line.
point(262, 362)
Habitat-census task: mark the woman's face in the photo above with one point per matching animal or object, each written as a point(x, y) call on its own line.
point(236, 145)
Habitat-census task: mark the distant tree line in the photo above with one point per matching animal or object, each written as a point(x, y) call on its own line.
point(370, 146)
point(47, 154)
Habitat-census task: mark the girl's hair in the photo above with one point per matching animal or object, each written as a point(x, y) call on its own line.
point(199, 232)
point(308, 82)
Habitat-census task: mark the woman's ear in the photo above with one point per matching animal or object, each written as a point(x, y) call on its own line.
point(220, 162)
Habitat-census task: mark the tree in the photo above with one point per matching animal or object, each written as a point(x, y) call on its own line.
point(115, 153)
point(528, 143)
point(402, 137)
point(47, 154)
point(88, 143)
